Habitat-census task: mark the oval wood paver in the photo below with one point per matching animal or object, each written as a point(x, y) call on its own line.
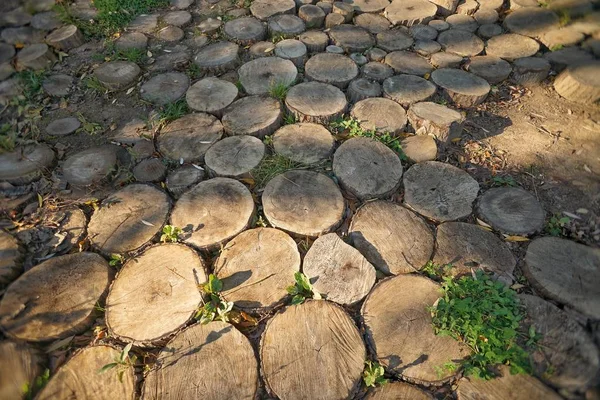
point(10, 258)
point(189, 137)
point(304, 142)
point(25, 164)
point(235, 156)
point(20, 364)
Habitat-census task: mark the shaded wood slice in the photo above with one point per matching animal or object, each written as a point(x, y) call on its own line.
point(369, 6)
point(410, 12)
point(69, 223)
point(128, 219)
point(398, 326)
point(10, 259)
point(216, 349)
point(530, 71)
point(181, 179)
point(63, 126)
point(6, 71)
point(165, 88)
point(344, 9)
point(218, 58)
point(379, 114)
point(25, 164)
point(235, 156)
point(580, 82)
point(245, 31)
point(315, 41)
point(20, 364)
point(326, 342)
point(377, 71)
point(398, 391)
point(209, 26)
point(423, 32)
point(407, 89)
point(306, 143)
point(511, 210)
point(439, 191)
point(313, 16)
point(170, 34)
point(286, 26)
point(564, 346)
point(22, 35)
point(150, 170)
point(213, 212)
point(260, 75)
point(334, 49)
point(436, 120)
point(176, 60)
point(253, 115)
point(407, 62)
point(36, 56)
point(261, 49)
point(315, 102)
point(426, 47)
point(334, 19)
point(55, 299)
point(492, 69)
point(463, 88)
point(264, 9)
point(372, 22)
point(293, 50)
point(91, 166)
point(211, 95)
point(445, 60)
point(565, 271)
point(565, 57)
point(337, 270)
point(531, 21)
point(419, 148)
point(65, 38)
point(511, 46)
point(256, 267)
point(189, 137)
point(58, 84)
point(334, 69)
point(7, 52)
point(351, 38)
point(461, 42)
point(305, 203)
point(394, 40)
point(117, 75)
point(166, 279)
point(359, 59)
point(463, 21)
point(79, 377)
point(145, 23)
point(487, 31)
point(362, 88)
point(439, 24)
point(177, 18)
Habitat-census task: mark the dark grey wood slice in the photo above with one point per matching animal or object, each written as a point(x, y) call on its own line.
point(565, 57)
point(304, 203)
point(394, 40)
point(463, 88)
point(256, 267)
point(265, 9)
point(260, 75)
point(181, 179)
point(212, 212)
point(491, 68)
point(398, 391)
point(379, 114)
point(531, 21)
point(377, 71)
point(286, 26)
point(325, 340)
point(165, 88)
point(511, 46)
point(334, 69)
point(334, 49)
point(145, 23)
point(177, 60)
point(293, 50)
point(235, 156)
point(426, 47)
point(20, 364)
point(338, 271)
point(7, 52)
point(560, 269)
point(218, 58)
point(65, 38)
point(197, 352)
point(253, 115)
point(423, 32)
point(128, 219)
point(315, 41)
point(400, 245)
point(580, 82)
point(189, 137)
point(419, 148)
point(166, 279)
point(436, 120)
point(36, 56)
point(344, 9)
point(439, 24)
point(10, 259)
point(410, 12)
point(79, 377)
point(245, 31)
point(6, 71)
point(530, 71)
point(316, 102)
point(177, 18)
point(461, 42)
point(55, 299)
point(132, 40)
point(407, 89)
point(362, 88)
point(359, 59)
point(463, 21)
point(439, 191)
point(211, 95)
point(91, 166)
point(445, 60)
point(46, 21)
point(407, 62)
point(487, 31)
point(117, 75)
point(63, 126)
point(25, 164)
point(334, 19)
point(351, 38)
point(306, 143)
point(511, 210)
point(374, 23)
point(150, 170)
point(564, 346)
point(398, 330)
point(58, 84)
point(313, 16)
point(22, 35)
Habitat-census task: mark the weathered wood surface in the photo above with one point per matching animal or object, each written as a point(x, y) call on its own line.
point(410, 12)
point(25, 164)
point(264, 9)
point(91, 166)
point(36, 56)
point(530, 71)
point(433, 119)
point(253, 115)
point(580, 83)
point(260, 75)
point(463, 88)
point(511, 46)
point(394, 40)
point(63, 126)
point(292, 50)
point(363, 88)
point(511, 210)
point(334, 69)
point(316, 102)
point(211, 95)
point(218, 58)
point(10, 258)
point(531, 21)
point(461, 42)
point(419, 148)
point(245, 31)
point(235, 156)
point(150, 170)
point(181, 179)
point(492, 69)
point(377, 71)
point(20, 364)
point(407, 89)
point(189, 137)
point(285, 26)
point(65, 38)
point(398, 391)
point(304, 142)
point(117, 75)
point(407, 62)
point(315, 41)
point(165, 88)
point(351, 38)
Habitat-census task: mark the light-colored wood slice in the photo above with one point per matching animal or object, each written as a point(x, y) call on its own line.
point(145, 23)
point(315, 41)
point(379, 114)
point(177, 18)
point(433, 119)
point(398, 391)
point(285, 26)
point(235, 156)
point(316, 102)
point(374, 23)
point(63, 126)
point(80, 378)
point(462, 21)
point(218, 58)
point(128, 219)
point(261, 49)
point(211, 95)
point(293, 50)
point(399, 330)
point(55, 299)
point(531, 21)
point(165, 88)
point(10, 259)
point(377, 71)
point(561, 37)
point(209, 26)
point(511, 210)
point(150, 170)
point(58, 84)
point(407, 62)
point(217, 350)
point(580, 82)
point(265, 9)
point(189, 137)
point(65, 38)
point(325, 341)
point(363, 88)
point(491, 4)
point(565, 271)
point(439, 191)
point(407, 89)
point(256, 267)
point(463, 88)
point(117, 75)
point(334, 19)
point(306, 143)
point(313, 16)
point(91, 166)
point(25, 164)
point(304, 203)
point(351, 38)
point(334, 69)
point(486, 16)
point(419, 148)
point(394, 40)
point(20, 364)
point(491, 68)
point(253, 115)
point(181, 179)
point(530, 71)
point(511, 46)
point(410, 12)
point(337, 270)
point(36, 56)
point(445, 7)
point(245, 31)
point(369, 6)
point(260, 75)
point(461, 42)
point(344, 9)
point(213, 212)
point(443, 59)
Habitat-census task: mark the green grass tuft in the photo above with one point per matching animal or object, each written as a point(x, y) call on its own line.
point(272, 166)
point(278, 90)
point(173, 111)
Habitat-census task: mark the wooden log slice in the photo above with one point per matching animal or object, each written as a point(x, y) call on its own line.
point(394, 239)
point(351, 38)
point(36, 56)
point(399, 330)
point(209, 26)
point(565, 57)
point(334, 69)
point(491, 4)
point(306, 143)
point(439, 24)
point(150, 170)
point(446, 7)
point(379, 114)
point(326, 342)
point(511, 210)
point(315, 41)
point(10, 260)
point(463, 88)
point(492, 69)
point(260, 75)
point(213, 212)
point(439, 191)
point(436, 120)
point(398, 391)
point(407, 62)
point(169, 61)
point(531, 22)
point(315, 102)
point(265, 9)
point(189, 137)
point(407, 89)
point(7, 52)
point(245, 31)
point(200, 351)
point(65, 38)
point(334, 49)
point(580, 82)
point(462, 21)
point(445, 60)
point(565, 271)
point(344, 9)
point(128, 219)
point(80, 378)
point(426, 47)
point(304, 203)
point(423, 32)
point(58, 85)
point(55, 299)
point(362, 88)
point(377, 71)
point(530, 71)
point(165, 88)
point(487, 31)
point(359, 59)
point(419, 148)
point(211, 95)
point(177, 18)
point(338, 271)
point(293, 50)
point(261, 49)
point(256, 267)
point(25, 164)
point(285, 26)
point(117, 75)
point(410, 12)
point(253, 115)
point(20, 364)
point(394, 40)
point(235, 156)
point(372, 22)
point(313, 16)
point(218, 58)
point(63, 126)
point(145, 23)
point(370, 6)
point(91, 166)
point(181, 179)
point(171, 34)
point(461, 42)
point(334, 19)
point(561, 37)
point(511, 46)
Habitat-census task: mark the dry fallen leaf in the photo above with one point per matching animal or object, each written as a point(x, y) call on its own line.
point(515, 238)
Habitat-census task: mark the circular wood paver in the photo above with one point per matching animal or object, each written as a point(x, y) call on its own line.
point(419, 148)
point(436, 120)
point(165, 88)
point(315, 41)
point(260, 75)
point(256, 267)
point(182, 178)
point(79, 378)
point(407, 62)
point(492, 69)
point(306, 143)
point(189, 137)
point(21, 364)
point(511, 210)
point(36, 56)
point(117, 75)
point(235, 156)
point(55, 299)
point(394, 40)
point(379, 114)
point(128, 219)
point(211, 95)
point(90, 166)
point(395, 240)
point(165, 279)
point(398, 391)
point(316, 102)
point(264, 9)
point(217, 350)
point(351, 38)
point(334, 69)
point(511, 46)
point(245, 31)
point(399, 330)
point(253, 115)
point(218, 58)
point(213, 212)
point(63, 126)
point(369, 6)
point(337, 270)
point(10, 255)
point(65, 38)
point(410, 12)
point(293, 50)
point(374, 23)
point(58, 84)
point(407, 89)
point(305, 203)
point(530, 71)
point(377, 71)
point(25, 164)
point(286, 26)
point(325, 341)
point(565, 271)
point(531, 21)
point(363, 88)
point(461, 42)
point(463, 88)
point(439, 191)
point(580, 82)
